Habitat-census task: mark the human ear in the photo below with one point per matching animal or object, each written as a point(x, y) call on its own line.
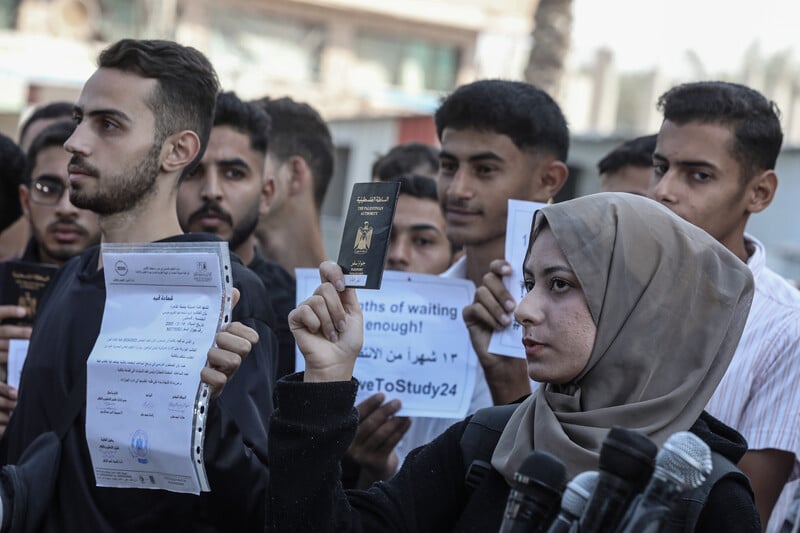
point(761, 190)
point(25, 200)
point(299, 175)
point(267, 194)
point(552, 178)
point(179, 150)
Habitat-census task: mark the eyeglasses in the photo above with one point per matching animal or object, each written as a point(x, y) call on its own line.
point(48, 190)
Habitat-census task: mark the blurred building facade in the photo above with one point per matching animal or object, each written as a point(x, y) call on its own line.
point(376, 70)
point(348, 57)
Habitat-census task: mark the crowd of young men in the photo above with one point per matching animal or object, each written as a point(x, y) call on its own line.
point(154, 152)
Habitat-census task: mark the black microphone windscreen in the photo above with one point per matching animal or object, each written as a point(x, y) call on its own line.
point(629, 455)
point(533, 501)
point(543, 469)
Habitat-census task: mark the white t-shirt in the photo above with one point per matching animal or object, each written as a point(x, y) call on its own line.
point(759, 395)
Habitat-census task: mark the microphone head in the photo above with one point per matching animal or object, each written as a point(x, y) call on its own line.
point(629, 455)
point(578, 492)
point(685, 459)
point(543, 469)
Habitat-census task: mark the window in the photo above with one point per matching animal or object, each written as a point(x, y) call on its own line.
point(412, 64)
point(283, 49)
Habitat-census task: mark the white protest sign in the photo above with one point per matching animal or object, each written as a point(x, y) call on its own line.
point(17, 352)
point(416, 345)
point(518, 228)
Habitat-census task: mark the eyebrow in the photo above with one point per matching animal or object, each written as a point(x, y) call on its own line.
point(687, 163)
point(100, 112)
point(473, 158)
point(232, 162)
point(53, 177)
point(549, 270)
point(423, 227)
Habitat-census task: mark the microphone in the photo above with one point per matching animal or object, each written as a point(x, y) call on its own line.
point(626, 463)
point(533, 501)
point(576, 495)
point(683, 464)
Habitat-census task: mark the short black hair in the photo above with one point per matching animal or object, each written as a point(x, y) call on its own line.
point(12, 165)
point(187, 85)
point(298, 129)
point(245, 117)
point(47, 111)
point(404, 159)
point(523, 112)
point(422, 187)
point(56, 134)
point(636, 152)
point(755, 120)
point(418, 186)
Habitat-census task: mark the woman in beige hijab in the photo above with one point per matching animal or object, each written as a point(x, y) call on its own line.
point(631, 318)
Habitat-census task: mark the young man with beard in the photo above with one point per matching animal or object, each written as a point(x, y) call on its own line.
point(13, 236)
point(59, 230)
point(500, 140)
point(228, 191)
point(714, 166)
point(142, 120)
point(300, 161)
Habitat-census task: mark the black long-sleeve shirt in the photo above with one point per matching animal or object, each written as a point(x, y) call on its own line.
point(66, 327)
point(313, 425)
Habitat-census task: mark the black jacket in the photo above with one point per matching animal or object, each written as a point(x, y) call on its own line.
point(281, 288)
point(313, 425)
point(66, 327)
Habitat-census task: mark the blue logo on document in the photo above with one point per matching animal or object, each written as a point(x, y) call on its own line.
point(140, 446)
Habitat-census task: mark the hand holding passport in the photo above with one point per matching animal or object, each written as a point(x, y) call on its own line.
point(367, 228)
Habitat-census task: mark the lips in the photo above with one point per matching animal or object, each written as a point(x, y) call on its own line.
point(66, 233)
point(532, 347)
point(77, 172)
point(460, 214)
point(210, 219)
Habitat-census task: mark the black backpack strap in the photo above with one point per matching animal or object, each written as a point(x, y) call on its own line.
point(479, 440)
point(693, 501)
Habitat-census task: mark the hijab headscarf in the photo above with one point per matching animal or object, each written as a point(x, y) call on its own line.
point(669, 303)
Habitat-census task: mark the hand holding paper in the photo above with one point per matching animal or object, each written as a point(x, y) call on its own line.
point(491, 311)
point(231, 347)
point(11, 331)
point(329, 328)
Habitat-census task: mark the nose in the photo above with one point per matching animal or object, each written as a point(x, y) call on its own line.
point(664, 189)
point(78, 142)
point(212, 189)
point(64, 208)
point(398, 255)
point(530, 311)
point(458, 186)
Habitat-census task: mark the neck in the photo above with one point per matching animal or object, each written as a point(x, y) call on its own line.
point(481, 255)
point(735, 242)
point(293, 238)
point(246, 251)
point(154, 218)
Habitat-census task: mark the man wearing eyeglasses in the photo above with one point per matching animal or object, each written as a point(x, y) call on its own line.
point(59, 230)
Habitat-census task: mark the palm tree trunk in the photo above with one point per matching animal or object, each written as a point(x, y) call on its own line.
point(551, 41)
